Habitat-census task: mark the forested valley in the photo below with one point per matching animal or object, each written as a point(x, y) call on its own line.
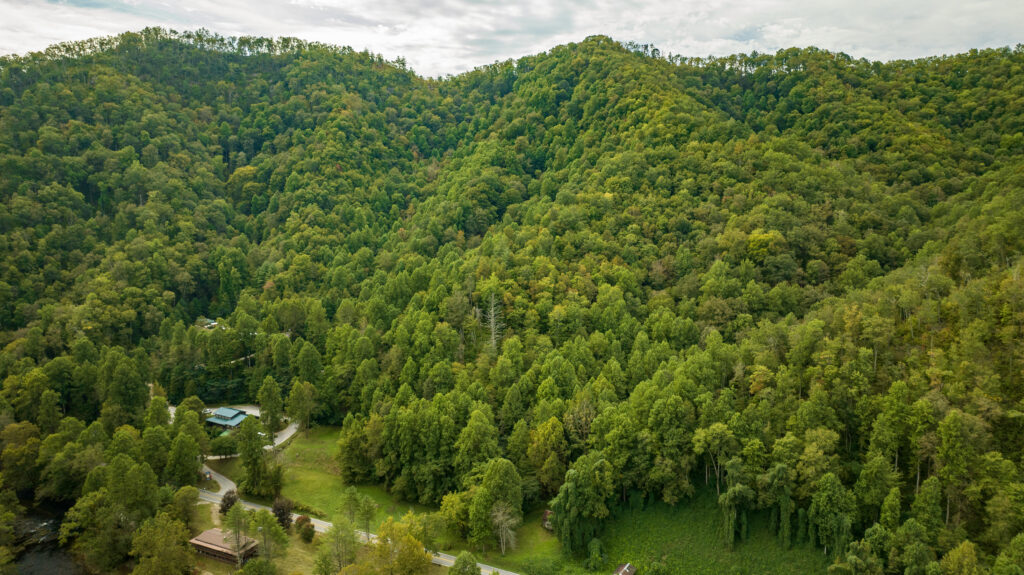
point(588, 280)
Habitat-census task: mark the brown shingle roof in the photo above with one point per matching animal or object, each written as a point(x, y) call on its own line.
point(218, 540)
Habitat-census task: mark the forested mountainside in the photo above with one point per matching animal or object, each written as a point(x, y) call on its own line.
point(580, 279)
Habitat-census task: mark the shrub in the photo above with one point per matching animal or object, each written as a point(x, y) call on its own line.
point(223, 445)
point(282, 509)
point(228, 501)
point(307, 532)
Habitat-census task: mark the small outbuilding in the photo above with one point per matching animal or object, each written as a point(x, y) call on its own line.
point(627, 569)
point(227, 417)
point(219, 545)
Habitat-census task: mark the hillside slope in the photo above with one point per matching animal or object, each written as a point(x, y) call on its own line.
point(795, 277)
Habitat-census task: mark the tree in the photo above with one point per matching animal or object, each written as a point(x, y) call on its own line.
point(927, 507)
point(892, 510)
point(20, 452)
point(777, 487)
point(155, 448)
point(183, 506)
point(366, 510)
point(259, 566)
point(282, 510)
point(582, 501)
point(493, 320)
point(270, 534)
point(477, 443)
point(831, 512)
point(183, 461)
point(236, 523)
point(398, 552)
point(954, 455)
point(189, 423)
point(308, 364)
point(465, 564)
point(339, 544)
point(547, 453)
point(228, 500)
point(162, 548)
point(301, 402)
point(157, 413)
point(49, 411)
point(505, 520)
point(717, 441)
point(96, 531)
point(1011, 558)
point(270, 404)
point(500, 483)
point(260, 478)
point(876, 480)
point(961, 560)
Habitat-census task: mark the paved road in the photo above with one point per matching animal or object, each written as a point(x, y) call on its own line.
point(284, 435)
point(322, 526)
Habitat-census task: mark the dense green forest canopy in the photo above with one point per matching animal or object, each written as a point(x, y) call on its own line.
point(589, 277)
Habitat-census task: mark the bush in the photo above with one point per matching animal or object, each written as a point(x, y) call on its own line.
point(595, 558)
point(304, 525)
point(223, 445)
point(259, 566)
point(282, 509)
point(228, 501)
point(307, 532)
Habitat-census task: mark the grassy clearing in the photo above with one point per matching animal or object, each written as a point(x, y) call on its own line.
point(311, 479)
point(205, 517)
point(535, 547)
point(686, 539)
point(230, 468)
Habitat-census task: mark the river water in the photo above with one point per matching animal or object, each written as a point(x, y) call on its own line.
point(43, 554)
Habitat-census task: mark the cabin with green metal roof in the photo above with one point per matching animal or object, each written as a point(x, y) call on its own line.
point(227, 417)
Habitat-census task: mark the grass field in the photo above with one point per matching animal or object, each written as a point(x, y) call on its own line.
point(205, 513)
point(311, 478)
point(537, 550)
point(685, 539)
point(232, 468)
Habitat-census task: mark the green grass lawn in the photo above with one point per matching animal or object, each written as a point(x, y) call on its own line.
point(231, 468)
point(535, 546)
point(205, 517)
point(311, 479)
point(686, 539)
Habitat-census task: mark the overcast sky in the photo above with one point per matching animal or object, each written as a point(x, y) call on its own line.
point(439, 37)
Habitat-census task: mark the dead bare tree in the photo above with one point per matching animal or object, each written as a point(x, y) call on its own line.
point(505, 520)
point(492, 317)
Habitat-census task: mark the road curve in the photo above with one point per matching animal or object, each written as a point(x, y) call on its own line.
point(321, 526)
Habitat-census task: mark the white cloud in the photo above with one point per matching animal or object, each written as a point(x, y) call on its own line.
point(450, 36)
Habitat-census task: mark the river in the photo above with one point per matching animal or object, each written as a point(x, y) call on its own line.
point(43, 555)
